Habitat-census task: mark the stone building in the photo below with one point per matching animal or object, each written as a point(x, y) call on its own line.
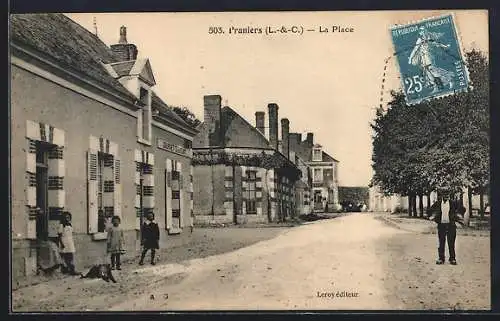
point(323, 169)
point(89, 136)
point(239, 175)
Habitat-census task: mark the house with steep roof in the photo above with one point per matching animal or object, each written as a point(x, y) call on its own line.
point(239, 175)
point(323, 169)
point(90, 136)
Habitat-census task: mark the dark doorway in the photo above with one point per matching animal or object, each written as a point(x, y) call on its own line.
point(318, 200)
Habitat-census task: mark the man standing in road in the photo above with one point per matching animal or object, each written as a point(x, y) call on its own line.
point(446, 212)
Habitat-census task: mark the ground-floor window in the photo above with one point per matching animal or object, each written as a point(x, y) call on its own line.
point(251, 195)
point(103, 179)
point(173, 195)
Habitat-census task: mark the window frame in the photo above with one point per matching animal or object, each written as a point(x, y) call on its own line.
point(320, 175)
point(317, 158)
point(101, 188)
point(251, 202)
point(145, 117)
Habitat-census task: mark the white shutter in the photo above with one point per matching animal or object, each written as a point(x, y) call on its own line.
point(181, 195)
point(92, 188)
point(191, 201)
point(118, 187)
point(168, 196)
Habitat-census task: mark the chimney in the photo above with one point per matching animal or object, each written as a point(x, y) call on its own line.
point(260, 122)
point(295, 138)
point(285, 142)
point(273, 125)
point(310, 138)
point(123, 50)
point(212, 118)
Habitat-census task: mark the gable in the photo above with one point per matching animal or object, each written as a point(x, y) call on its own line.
point(142, 68)
point(328, 158)
point(147, 74)
point(239, 133)
point(201, 139)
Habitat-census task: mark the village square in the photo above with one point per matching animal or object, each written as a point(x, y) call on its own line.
point(226, 212)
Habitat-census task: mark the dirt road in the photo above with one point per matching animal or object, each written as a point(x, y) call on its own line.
point(354, 262)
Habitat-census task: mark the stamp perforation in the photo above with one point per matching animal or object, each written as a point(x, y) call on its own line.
point(459, 47)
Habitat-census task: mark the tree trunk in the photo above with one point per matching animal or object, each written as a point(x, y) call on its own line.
point(467, 208)
point(428, 203)
point(409, 205)
point(414, 206)
point(481, 202)
point(469, 197)
point(421, 205)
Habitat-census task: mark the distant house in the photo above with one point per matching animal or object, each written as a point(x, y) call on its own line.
point(354, 197)
point(323, 169)
point(89, 136)
point(239, 175)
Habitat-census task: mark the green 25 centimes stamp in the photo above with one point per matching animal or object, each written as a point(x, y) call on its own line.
point(430, 59)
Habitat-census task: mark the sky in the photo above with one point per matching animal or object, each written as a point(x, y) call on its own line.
point(328, 83)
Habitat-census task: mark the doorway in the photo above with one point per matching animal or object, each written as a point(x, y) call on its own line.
point(318, 200)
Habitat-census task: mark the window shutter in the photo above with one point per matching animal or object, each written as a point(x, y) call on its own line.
point(92, 188)
point(168, 192)
point(118, 188)
point(181, 196)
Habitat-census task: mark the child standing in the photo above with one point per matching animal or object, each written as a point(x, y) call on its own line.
point(67, 244)
point(116, 242)
point(150, 238)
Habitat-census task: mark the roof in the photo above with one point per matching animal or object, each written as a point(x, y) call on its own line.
point(163, 108)
point(69, 44)
point(328, 158)
point(228, 115)
point(123, 68)
point(76, 49)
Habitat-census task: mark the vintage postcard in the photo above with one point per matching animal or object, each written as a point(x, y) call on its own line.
point(229, 161)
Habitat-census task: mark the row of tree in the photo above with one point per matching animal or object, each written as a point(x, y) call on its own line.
point(437, 145)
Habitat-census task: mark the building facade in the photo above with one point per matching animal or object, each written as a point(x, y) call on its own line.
point(239, 175)
point(397, 203)
point(89, 136)
point(324, 195)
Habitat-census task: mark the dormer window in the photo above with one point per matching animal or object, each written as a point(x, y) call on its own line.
point(145, 117)
point(317, 155)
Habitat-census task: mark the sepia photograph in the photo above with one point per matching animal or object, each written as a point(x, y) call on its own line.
point(250, 161)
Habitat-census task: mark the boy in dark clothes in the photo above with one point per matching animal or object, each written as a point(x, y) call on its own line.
point(150, 238)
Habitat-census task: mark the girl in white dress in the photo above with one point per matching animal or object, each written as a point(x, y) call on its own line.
point(67, 244)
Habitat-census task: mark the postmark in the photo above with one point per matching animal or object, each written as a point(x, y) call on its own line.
point(430, 59)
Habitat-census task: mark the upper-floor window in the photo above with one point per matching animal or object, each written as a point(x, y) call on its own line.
point(144, 122)
point(317, 177)
point(188, 144)
point(317, 154)
point(328, 175)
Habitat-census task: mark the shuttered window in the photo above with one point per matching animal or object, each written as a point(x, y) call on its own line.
point(103, 185)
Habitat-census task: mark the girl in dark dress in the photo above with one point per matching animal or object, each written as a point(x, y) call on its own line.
point(150, 238)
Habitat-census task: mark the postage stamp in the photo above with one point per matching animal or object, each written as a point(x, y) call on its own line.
point(430, 59)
